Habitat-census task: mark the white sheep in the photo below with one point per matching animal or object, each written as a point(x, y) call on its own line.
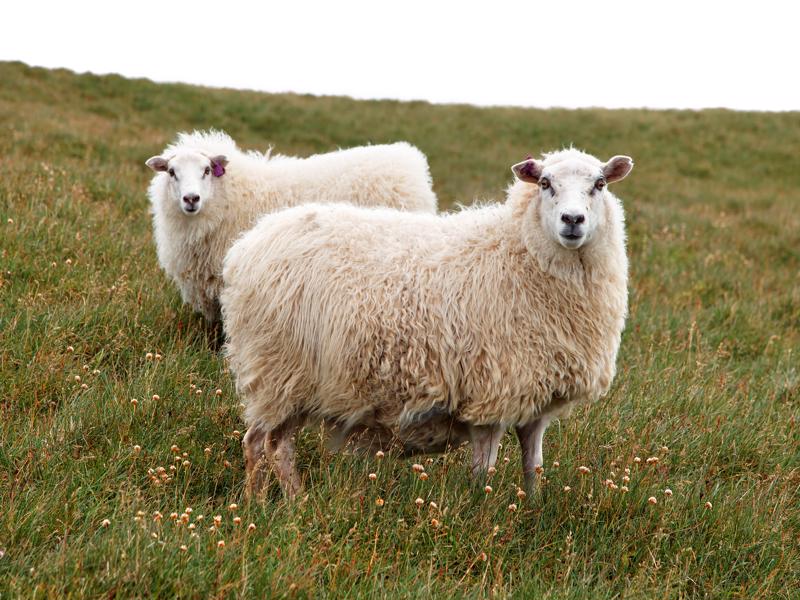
point(430, 326)
point(206, 192)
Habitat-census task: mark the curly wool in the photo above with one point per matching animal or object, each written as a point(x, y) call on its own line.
point(191, 249)
point(373, 318)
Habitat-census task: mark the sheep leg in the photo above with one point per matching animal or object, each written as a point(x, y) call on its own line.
point(530, 439)
point(280, 449)
point(254, 459)
point(485, 444)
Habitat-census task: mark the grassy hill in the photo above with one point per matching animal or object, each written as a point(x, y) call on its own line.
point(709, 372)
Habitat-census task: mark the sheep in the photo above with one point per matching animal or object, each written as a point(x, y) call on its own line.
point(435, 328)
point(206, 192)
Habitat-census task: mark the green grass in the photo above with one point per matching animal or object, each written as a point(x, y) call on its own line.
point(708, 369)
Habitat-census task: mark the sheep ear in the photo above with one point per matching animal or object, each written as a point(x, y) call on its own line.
point(617, 168)
point(157, 163)
point(528, 170)
point(218, 164)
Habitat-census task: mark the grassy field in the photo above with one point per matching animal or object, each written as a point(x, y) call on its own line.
point(708, 383)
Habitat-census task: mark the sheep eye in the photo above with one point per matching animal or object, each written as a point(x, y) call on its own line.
point(544, 183)
point(207, 171)
point(600, 184)
point(171, 172)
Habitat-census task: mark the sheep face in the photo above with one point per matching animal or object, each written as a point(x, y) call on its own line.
point(192, 178)
point(572, 193)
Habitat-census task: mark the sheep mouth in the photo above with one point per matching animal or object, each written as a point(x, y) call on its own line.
point(571, 239)
point(190, 210)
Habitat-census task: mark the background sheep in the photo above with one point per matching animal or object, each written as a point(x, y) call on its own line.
point(494, 316)
point(206, 192)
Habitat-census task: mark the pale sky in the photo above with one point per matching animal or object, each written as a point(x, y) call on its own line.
point(608, 53)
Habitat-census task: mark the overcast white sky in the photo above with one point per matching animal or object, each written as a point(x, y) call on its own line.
point(611, 53)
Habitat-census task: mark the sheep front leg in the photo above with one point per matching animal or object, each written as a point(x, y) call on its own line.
point(485, 441)
point(530, 439)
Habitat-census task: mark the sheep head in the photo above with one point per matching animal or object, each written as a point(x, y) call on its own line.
point(191, 177)
point(572, 191)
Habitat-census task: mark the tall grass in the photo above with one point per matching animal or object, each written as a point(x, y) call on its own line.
point(708, 381)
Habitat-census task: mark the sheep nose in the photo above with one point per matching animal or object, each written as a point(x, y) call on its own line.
point(191, 198)
point(572, 219)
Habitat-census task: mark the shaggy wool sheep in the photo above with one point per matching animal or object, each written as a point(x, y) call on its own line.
point(432, 327)
point(206, 192)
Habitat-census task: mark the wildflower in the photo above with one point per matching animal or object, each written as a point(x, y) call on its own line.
point(185, 518)
point(233, 506)
point(236, 433)
point(218, 392)
point(435, 523)
point(488, 489)
point(433, 505)
point(186, 463)
point(627, 471)
point(84, 386)
point(218, 520)
point(637, 460)
point(512, 508)
point(156, 397)
point(184, 548)
point(227, 464)
point(199, 518)
point(251, 527)
point(96, 372)
point(423, 476)
point(491, 471)
point(429, 461)
point(149, 356)
point(417, 468)
point(652, 460)
point(379, 501)
point(709, 506)
point(105, 523)
point(70, 349)
point(221, 544)
point(68, 261)
point(652, 500)
point(198, 391)
point(191, 527)
point(664, 449)
point(158, 356)
point(174, 448)
point(668, 492)
point(538, 469)
point(379, 454)
point(483, 557)
point(419, 502)
point(372, 476)
point(137, 448)
point(77, 378)
point(173, 516)
point(10, 221)
point(625, 479)
point(556, 464)
point(157, 516)
point(567, 488)
point(237, 520)
point(584, 470)
point(506, 460)
point(134, 402)
point(188, 510)
point(207, 451)
point(192, 386)
point(624, 489)
point(521, 494)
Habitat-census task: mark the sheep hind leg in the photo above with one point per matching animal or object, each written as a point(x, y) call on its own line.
point(280, 449)
point(255, 460)
point(530, 439)
point(485, 441)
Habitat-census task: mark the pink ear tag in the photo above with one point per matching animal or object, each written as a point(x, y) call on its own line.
point(218, 170)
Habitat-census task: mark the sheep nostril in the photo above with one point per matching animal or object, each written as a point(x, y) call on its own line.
point(572, 219)
point(191, 198)
point(579, 219)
